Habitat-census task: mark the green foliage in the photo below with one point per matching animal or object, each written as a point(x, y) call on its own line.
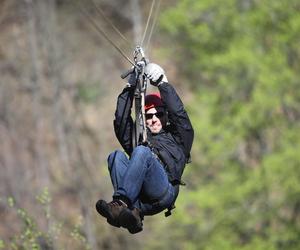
point(241, 58)
point(30, 237)
point(33, 236)
point(77, 236)
point(2, 245)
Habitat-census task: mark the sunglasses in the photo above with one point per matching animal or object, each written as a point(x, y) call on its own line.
point(157, 114)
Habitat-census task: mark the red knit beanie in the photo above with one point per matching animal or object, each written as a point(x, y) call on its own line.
point(153, 101)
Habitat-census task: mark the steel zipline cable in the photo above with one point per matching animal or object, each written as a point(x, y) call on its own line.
point(101, 13)
point(154, 21)
point(103, 33)
point(88, 16)
point(148, 21)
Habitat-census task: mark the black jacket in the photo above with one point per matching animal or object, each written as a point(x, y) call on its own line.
point(173, 144)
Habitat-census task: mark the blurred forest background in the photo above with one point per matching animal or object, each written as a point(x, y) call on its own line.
point(236, 64)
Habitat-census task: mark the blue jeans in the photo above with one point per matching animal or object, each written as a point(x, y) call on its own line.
point(142, 180)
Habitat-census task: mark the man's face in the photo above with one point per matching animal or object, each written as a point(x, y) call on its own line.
point(154, 118)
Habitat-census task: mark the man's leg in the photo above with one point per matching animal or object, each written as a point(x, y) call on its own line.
point(145, 175)
point(117, 165)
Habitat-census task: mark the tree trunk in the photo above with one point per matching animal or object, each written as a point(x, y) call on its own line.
point(36, 80)
point(55, 66)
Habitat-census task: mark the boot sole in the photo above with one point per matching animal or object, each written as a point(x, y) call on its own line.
point(129, 221)
point(103, 210)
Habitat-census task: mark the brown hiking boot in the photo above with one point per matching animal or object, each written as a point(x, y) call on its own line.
point(131, 219)
point(111, 210)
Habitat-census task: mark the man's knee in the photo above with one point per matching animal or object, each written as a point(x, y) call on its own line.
point(142, 151)
point(114, 157)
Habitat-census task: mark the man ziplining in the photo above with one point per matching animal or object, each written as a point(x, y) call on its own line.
point(148, 181)
point(158, 143)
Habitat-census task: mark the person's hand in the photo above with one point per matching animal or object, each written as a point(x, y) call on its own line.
point(155, 74)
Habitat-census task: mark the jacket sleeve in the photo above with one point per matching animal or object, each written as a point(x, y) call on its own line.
point(123, 123)
point(182, 129)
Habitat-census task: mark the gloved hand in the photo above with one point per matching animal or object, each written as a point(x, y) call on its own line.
point(155, 73)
